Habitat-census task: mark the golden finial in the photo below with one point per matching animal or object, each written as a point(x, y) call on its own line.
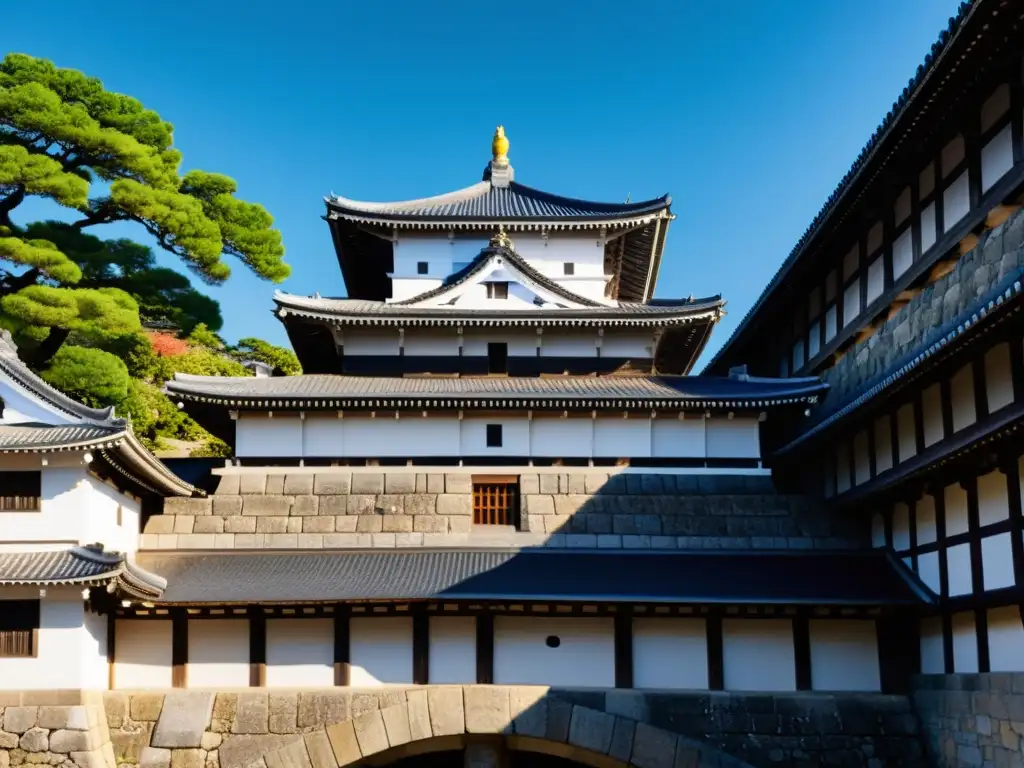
point(499, 146)
point(501, 239)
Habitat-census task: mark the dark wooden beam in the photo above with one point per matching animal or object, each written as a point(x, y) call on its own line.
point(179, 651)
point(420, 648)
point(257, 651)
point(485, 649)
point(802, 651)
point(342, 649)
point(716, 654)
point(623, 650)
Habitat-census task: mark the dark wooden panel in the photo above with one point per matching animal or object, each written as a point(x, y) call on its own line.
point(342, 650)
point(257, 651)
point(716, 655)
point(485, 649)
point(623, 650)
point(420, 648)
point(179, 651)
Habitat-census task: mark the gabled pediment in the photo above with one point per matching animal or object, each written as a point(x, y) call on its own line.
point(503, 265)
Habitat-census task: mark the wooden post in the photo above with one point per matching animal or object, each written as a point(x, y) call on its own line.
point(179, 651)
point(420, 647)
point(111, 648)
point(623, 650)
point(716, 666)
point(257, 651)
point(485, 649)
point(802, 651)
point(342, 648)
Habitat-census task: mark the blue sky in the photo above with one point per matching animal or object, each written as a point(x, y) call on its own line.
point(747, 111)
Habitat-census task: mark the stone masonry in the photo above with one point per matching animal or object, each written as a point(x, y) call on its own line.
point(588, 508)
point(972, 720)
point(54, 728)
point(331, 728)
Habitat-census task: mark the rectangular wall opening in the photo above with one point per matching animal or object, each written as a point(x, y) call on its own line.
point(496, 500)
point(497, 357)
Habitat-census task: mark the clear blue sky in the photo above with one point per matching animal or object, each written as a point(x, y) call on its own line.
point(747, 111)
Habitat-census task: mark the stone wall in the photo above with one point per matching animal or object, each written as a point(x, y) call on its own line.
point(998, 256)
point(54, 728)
point(588, 508)
point(325, 729)
point(972, 720)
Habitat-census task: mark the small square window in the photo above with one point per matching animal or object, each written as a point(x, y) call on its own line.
point(20, 491)
point(497, 290)
point(568, 268)
point(19, 627)
point(495, 500)
point(494, 435)
point(422, 267)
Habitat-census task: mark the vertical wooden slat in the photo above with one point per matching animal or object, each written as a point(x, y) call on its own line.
point(342, 649)
point(420, 648)
point(623, 650)
point(257, 651)
point(485, 649)
point(179, 651)
point(111, 649)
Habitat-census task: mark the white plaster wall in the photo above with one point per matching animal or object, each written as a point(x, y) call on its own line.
point(905, 428)
point(993, 503)
point(830, 323)
point(877, 530)
point(903, 252)
point(520, 344)
point(585, 252)
point(995, 106)
point(958, 563)
point(844, 655)
point(1005, 640)
point(961, 391)
point(883, 445)
point(371, 342)
point(685, 437)
point(965, 643)
point(998, 377)
point(258, 435)
point(876, 279)
point(956, 201)
point(76, 509)
point(956, 510)
point(622, 438)
point(758, 655)
point(562, 344)
point(670, 653)
point(996, 158)
point(385, 435)
point(515, 437)
point(843, 459)
point(218, 653)
point(929, 227)
point(997, 561)
point(561, 437)
point(95, 668)
point(932, 659)
point(142, 653)
point(626, 343)
point(931, 412)
point(435, 344)
point(518, 296)
point(928, 570)
point(411, 287)
point(861, 459)
point(927, 530)
point(380, 650)
point(585, 658)
point(732, 438)
point(452, 650)
point(900, 527)
point(851, 302)
point(300, 653)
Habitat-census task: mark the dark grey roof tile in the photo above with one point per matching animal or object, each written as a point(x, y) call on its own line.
point(45, 437)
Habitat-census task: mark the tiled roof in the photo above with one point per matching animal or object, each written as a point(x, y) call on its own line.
point(564, 391)
point(873, 149)
point(17, 438)
point(483, 202)
point(807, 577)
point(80, 565)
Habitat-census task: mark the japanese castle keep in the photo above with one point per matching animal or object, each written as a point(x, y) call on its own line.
point(500, 520)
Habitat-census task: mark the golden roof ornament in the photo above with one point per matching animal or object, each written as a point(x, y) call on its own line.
point(501, 240)
point(499, 147)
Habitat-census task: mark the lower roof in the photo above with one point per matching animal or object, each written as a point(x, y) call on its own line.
point(85, 566)
point(816, 577)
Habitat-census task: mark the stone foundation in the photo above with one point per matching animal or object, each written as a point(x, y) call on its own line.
point(585, 509)
point(54, 728)
point(325, 729)
point(972, 720)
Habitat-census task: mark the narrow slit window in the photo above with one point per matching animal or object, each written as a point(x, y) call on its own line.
point(496, 500)
point(20, 491)
point(497, 290)
point(19, 628)
point(497, 357)
point(494, 435)
point(422, 267)
point(568, 268)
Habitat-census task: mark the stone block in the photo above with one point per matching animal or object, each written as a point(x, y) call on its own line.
point(581, 541)
point(63, 740)
point(396, 523)
point(188, 758)
point(211, 741)
point(435, 484)
point(396, 724)
point(146, 706)
point(361, 504)
point(458, 483)
point(333, 484)
point(591, 729)
point(252, 483)
point(321, 708)
point(621, 746)
point(115, 707)
point(251, 712)
point(318, 524)
point(384, 540)
point(52, 717)
point(249, 540)
point(183, 523)
point(318, 747)
point(333, 505)
point(556, 523)
point(344, 744)
point(20, 719)
point(310, 540)
point(227, 485)
point(152, 757)
point(549, 484)
point(188, 506)
point(529, 484)
point(281, 540)
point(528, 710)
point(421, 504)
point(305, 505)
point(275, 484)
point(400, 482)
point(460, 524)
point(298, 484)
point(291, 755)
point(369, 524)
point(35, 740)
point(283, 712)
point(559, 713)
point(390, 504)
point(455, 504)
point(570, 504)
point(594, 483)
point(371, 735)
point(183, 719)
point(487, 709)
point(540, 505)
point(160, 524)
point(614, 541)
point(344, 523)
point(266, 505)
point(209, 524)
point(197, 541)
point(226, 506)
point(8, 740)
point(339, 540)
point(367, 483)
point(447, 716)
point(149, 541)
point(419, 715)
point(294, 524)
point(653, 747)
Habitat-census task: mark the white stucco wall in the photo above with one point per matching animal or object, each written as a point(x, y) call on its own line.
point(1005, 640)
point(584, 658)
point(218, 653)
point(961, 391)
point(844, 655)
point(142, 653)
point(380, 651)
point(758, 655)
point(452, 650)
point(300, 653)
point(998, 377)
point(931, 646)
point(670, 653)
point(965, 643)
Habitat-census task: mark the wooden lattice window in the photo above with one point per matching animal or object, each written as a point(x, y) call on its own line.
point(19, 628)
point(20, 491)
point(495, 500)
